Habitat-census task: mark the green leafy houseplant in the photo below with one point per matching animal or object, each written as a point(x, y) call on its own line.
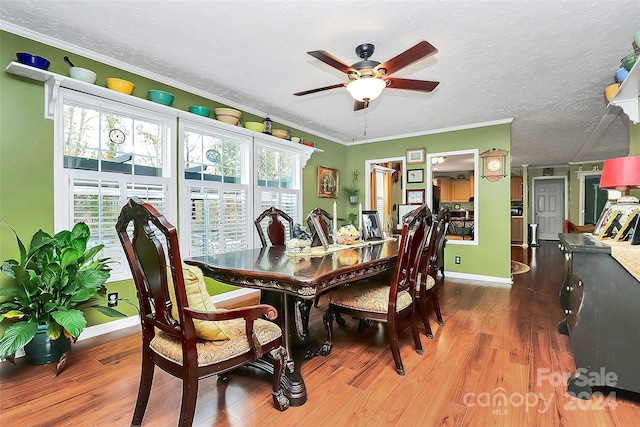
point(352, 193)
point(52, 283)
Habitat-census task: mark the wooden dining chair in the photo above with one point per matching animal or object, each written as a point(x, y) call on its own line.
point(391, 302)
point(276, 230)
point(426, 284)
point(185, 335)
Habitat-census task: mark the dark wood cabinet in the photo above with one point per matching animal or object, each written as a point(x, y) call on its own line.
point(601, 302)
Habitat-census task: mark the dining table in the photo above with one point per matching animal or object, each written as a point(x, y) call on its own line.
point(290, 282)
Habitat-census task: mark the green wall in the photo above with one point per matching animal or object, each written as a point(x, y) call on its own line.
point(491, 257)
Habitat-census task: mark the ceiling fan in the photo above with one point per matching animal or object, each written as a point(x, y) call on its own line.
point(367, 78)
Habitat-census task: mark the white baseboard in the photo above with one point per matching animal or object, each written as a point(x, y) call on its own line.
point(498, 282)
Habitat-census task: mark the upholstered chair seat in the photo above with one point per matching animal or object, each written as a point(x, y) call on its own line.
point(369, 295)
point(211, 352)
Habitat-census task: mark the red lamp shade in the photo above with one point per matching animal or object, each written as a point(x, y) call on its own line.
point(621, 173)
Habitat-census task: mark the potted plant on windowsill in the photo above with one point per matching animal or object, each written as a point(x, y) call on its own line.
point(352, 193)
point(51, 283)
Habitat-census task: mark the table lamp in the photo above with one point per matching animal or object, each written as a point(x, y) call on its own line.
point(621, 173)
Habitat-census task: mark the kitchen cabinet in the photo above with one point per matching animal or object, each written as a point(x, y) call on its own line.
point(455, 190)
point(600, 299)
point(516, 188)
point(517, 234)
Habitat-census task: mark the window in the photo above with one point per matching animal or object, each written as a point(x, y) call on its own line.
point(278, 181)
point(215, 190)
point(107, 152)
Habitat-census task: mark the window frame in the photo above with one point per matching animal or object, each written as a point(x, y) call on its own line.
point(63, 177)
point(184, 185)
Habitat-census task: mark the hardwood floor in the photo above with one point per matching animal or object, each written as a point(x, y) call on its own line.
point(497, 361)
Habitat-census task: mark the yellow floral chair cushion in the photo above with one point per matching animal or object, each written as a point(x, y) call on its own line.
point(210, 352)
point(371, 296)
point(198, 299)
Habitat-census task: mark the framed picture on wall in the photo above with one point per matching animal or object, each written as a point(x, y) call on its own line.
point(415, 176)
point(415, 197)
point(328, 182)
point(415, 156)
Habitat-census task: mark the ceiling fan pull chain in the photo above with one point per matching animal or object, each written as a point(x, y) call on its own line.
point(365, 123)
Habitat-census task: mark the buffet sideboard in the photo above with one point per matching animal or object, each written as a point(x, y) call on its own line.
point(601, 301)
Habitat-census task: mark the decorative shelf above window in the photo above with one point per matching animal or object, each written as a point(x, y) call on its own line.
point(627, 96)
point(53, 82)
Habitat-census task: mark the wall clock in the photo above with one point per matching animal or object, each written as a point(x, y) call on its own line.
point(493, 164)
point(116, 136)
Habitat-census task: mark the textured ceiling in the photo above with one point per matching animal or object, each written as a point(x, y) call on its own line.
point(543, 64)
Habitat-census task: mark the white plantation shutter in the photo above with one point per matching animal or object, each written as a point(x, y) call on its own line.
point(97, 202)
point(218, 221)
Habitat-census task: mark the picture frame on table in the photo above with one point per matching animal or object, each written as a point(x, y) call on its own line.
point(635, 238)
point(328, 182)
point(371, 226)
point(415, 176)
point(415, 155)
point(612, 226)
point(319, 229)
point(603, 219)
point(415, 197)
point(628, 226)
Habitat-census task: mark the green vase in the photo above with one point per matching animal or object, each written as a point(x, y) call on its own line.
point(42, 349)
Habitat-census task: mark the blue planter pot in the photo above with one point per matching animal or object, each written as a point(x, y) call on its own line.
point(42, 349)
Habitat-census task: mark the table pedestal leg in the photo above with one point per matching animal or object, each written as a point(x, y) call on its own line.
point(293, 319)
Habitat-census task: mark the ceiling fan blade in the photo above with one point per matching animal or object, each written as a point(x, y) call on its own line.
point(329, 59)
point(409, 84)
point(320, 89)
point(409, 56)
point(360, 105)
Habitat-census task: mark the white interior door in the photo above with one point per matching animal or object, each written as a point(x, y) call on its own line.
point(548, 199)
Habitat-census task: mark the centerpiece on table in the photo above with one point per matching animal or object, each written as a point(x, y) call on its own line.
point(347, 235)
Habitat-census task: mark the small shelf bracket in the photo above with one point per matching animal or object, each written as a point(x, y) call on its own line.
point(629, 106)
point(51, 91)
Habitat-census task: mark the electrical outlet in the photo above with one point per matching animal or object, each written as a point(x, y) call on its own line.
point(458, 259)
point(112, 299)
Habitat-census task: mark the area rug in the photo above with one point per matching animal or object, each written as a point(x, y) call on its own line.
point(518, 267)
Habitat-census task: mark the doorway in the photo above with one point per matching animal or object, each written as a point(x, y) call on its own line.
point(592, 197)
point(549, 206)
point(386, 179)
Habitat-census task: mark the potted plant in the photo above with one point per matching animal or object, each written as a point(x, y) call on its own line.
point(51, 283)
point(352, 192)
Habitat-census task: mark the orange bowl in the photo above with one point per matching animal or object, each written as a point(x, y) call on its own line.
point(280, 133)
point(610, 91)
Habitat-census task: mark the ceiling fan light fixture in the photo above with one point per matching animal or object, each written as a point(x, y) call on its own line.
point(368, 88)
